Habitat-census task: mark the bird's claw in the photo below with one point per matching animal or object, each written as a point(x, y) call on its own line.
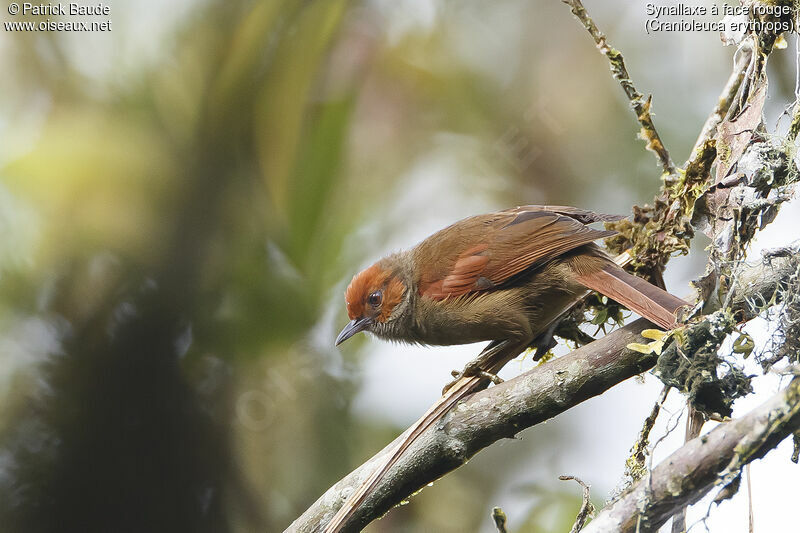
point(472, 369)
point(494, 378)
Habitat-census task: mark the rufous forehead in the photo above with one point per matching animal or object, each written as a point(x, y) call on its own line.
point(365, 283)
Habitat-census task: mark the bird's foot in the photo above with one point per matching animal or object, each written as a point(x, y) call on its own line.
point(494, 378)
point(473, 368)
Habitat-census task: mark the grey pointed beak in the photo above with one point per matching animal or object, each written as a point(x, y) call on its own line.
point(355, 325)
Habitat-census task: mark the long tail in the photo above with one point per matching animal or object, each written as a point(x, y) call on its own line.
point(654, 304)
point(611, 281)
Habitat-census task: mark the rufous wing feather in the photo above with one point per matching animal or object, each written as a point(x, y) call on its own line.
point(482, 252)
point(653, 303)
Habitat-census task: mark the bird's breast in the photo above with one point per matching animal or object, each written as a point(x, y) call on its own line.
point(520, 310)
point(472, 318)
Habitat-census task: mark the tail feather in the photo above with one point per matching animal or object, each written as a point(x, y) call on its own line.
point(654, 304)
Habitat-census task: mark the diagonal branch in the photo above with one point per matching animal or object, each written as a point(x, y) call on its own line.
point(484, 418)
point(506, 409)
point(714, 459)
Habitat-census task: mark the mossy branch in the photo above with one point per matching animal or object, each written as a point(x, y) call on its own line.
point(640, 105)
point(711, 460)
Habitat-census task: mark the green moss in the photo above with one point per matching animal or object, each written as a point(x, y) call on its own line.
point(691, 364)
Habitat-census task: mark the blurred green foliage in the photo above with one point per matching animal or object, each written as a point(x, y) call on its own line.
point(182, 221)
point(177, 232)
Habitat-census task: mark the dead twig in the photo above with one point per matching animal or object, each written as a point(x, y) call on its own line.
point(635, 466)
point(587, 509)
point(726, 98)
point(640, 105)
point(694, 424)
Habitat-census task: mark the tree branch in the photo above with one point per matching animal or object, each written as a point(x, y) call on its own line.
point(504, 410)
point(637, 100)
point(741, 60)
point(485, 417)
point(586, 510)
point(714, 459)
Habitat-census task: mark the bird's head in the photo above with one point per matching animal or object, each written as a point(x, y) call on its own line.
point(371, 298)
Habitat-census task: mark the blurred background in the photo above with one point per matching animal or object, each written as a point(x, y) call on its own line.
point(184, 199)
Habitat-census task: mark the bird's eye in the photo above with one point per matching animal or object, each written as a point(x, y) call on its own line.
point(375, 298)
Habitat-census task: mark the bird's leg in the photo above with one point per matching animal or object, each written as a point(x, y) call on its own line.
point(545, 342)
point(482, 364)
point(472, 369)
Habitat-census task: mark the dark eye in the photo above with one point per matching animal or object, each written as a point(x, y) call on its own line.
point(375, 298)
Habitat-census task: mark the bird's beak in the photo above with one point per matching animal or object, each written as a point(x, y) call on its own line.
point(355, 325)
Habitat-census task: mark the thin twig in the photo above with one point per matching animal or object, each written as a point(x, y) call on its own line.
point(635, 466)
point(694, 424)
point(640, 105)
point(742, 59)
point(587, 509)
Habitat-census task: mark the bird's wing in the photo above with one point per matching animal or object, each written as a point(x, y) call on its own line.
point(482, 252)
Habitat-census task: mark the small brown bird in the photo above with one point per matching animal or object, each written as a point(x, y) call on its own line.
point(504, 276)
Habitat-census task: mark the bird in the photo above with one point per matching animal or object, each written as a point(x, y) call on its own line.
point(504, 277)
